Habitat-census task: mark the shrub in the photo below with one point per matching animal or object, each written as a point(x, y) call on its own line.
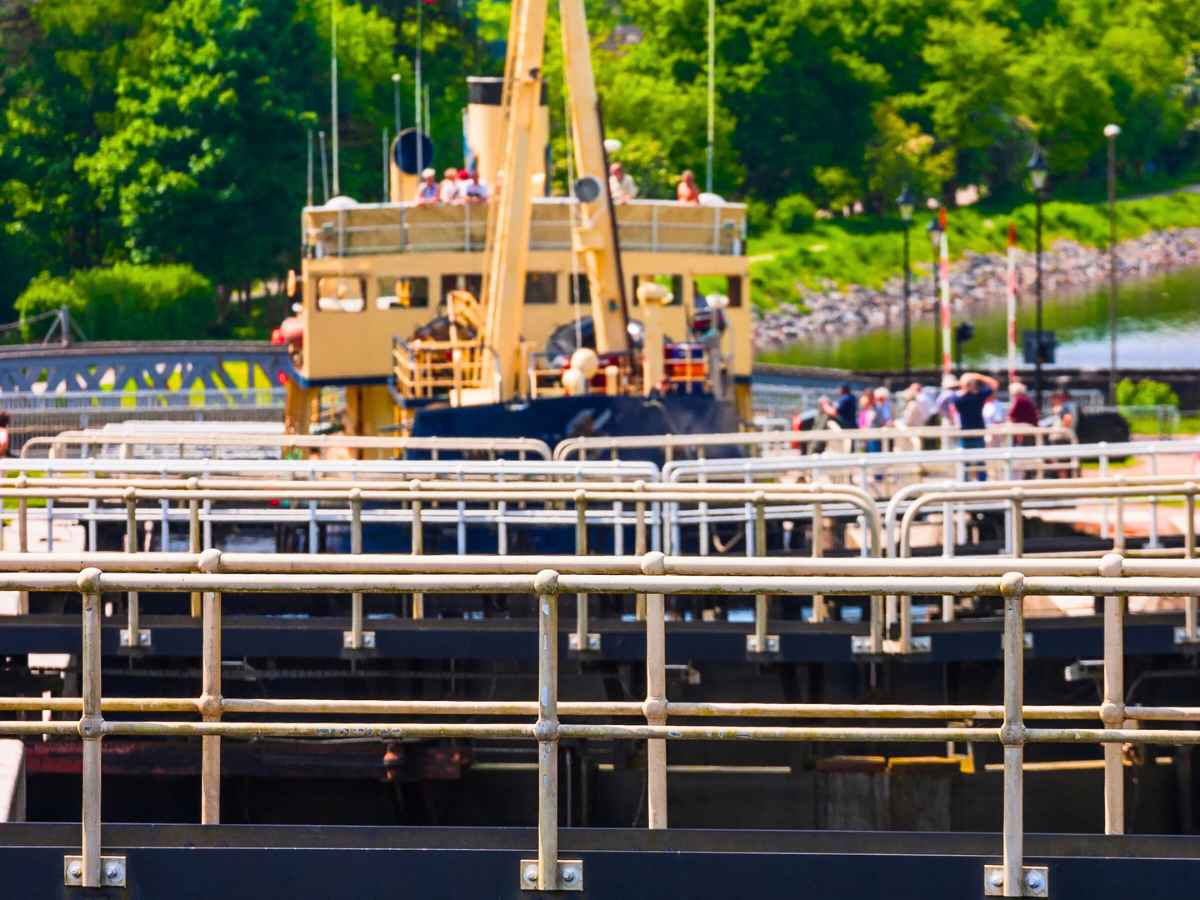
point(127, 302)
point(758, 216)
point(1146, 393)
point(795, 213)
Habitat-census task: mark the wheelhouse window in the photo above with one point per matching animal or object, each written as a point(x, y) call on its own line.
point(402, 293)
point(339, 293)
point(541, 287)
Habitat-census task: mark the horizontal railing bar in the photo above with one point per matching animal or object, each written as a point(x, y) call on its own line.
point(244, 706)
point(317, 583)
point(113, 563)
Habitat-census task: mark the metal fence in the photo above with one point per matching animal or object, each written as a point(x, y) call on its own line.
point(547, 722)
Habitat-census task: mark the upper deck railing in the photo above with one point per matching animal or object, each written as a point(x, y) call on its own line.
point(653, 226)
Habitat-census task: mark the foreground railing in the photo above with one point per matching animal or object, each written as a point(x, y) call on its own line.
point(547, 871)
point(655, 512)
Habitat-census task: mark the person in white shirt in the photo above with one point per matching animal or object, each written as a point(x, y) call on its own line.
point(621, 185)
point(449, 192)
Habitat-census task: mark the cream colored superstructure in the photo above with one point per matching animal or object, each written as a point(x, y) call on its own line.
point(359, 259)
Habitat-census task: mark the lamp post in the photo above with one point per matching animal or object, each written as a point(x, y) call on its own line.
point(935, 244)
point(396, 99)
point(1037, 175)
point(1111, 132)
point(905, 202)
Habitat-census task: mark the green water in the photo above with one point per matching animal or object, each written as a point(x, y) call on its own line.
point(1158, 326)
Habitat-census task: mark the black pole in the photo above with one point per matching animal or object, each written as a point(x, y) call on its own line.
point(1037, 358)
point(907, 326)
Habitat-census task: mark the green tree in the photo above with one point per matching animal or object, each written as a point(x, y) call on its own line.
point(206, 165)
point(901, 153)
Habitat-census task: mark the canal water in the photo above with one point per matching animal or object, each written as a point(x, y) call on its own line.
point(1158, 326)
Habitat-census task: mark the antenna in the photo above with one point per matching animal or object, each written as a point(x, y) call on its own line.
point(428, 112)
point(333, 91)
point(309, 192)
point(712, 90)
point(417, 87)
point(324, 167)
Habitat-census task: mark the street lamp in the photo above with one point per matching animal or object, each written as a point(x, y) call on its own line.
point(396, 99)
point(1111, 132)
point(1037, 175)
point(905, 202)
point(935, 244)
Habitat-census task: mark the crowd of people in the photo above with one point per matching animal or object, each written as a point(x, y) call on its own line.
point(459, 186)
point(970, 403)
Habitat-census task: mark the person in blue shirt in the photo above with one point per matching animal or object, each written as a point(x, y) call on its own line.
point(975, 389)
point(847, 408)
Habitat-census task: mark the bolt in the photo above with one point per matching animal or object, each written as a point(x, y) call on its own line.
point(75, 871)
point(113, 872)
point(530, 874)
point(996, 880)
point(144, 638)
point(569, 875)
point(1034, 880)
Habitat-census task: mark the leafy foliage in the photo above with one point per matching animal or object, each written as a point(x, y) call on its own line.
point(1146, 392)
point(160, 131)
point(127, 302)
point(795, 213)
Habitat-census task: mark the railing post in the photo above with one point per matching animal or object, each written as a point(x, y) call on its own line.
point(639, 547)
point(193, 537)
point(134, 626)
point(418, 548)
point(90, 868)
point(548, 872)
point(760, 641)
point(582, 640)
point(820, 610)
point(356, 639)
point(23, 537)
point(1112, 709)
point(1012, 878)
point(1191, 632)
point(210, 710)
point(656, 702)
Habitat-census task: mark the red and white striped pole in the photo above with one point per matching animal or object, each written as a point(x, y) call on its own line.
point(1012, 302)
point(944, 277)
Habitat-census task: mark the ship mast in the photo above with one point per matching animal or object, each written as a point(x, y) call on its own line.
point(593, 232)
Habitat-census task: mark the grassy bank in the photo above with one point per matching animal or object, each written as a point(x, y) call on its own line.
point(867, 250)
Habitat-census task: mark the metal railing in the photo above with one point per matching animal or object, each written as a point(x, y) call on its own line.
point(1113, 578)
point(841, 439)
point(1014, 498)
point(416, 504)
point(654, 226)
point(885, 470)
point(126, 443)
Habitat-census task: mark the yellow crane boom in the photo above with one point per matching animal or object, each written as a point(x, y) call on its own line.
point(593, 232)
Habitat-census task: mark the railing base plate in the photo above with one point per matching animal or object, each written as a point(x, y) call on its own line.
point(368, 641)
point(570, 875)
point(593, 643)
point(112, 871)
point(144, 642)
point(769, 644)
point(1035, 882)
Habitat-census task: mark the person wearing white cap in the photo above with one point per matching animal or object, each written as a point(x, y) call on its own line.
point(427, 193)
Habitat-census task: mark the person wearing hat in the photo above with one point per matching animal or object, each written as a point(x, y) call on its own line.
point(427, 191)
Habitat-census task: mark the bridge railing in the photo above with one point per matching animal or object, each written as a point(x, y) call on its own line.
point(510, 508)
point(837, 440)
point(547, 722)
point(1015, 498)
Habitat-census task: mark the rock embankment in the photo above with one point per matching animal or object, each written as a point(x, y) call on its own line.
point(976, 279)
